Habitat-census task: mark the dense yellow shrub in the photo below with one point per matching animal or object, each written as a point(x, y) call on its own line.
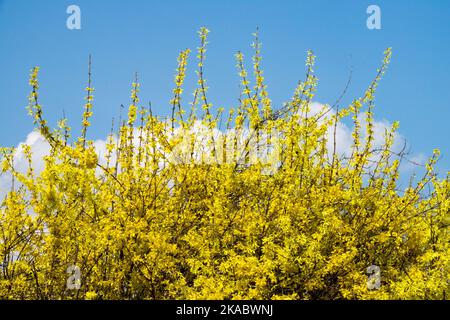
point(146, 222)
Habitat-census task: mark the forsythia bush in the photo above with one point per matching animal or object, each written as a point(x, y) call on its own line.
point(206, 222)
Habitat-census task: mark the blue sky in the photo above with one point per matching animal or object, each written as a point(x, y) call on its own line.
point(145, 37)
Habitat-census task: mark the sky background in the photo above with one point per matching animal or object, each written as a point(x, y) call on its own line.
point(125, 37)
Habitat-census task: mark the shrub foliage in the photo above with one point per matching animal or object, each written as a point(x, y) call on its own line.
point(138, 225)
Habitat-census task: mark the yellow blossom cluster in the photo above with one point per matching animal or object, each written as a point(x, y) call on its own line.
point(138, 225)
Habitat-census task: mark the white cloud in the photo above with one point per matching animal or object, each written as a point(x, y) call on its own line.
point(100, 147)
point(414, 164)
point(39, 148)
point(344, 141)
